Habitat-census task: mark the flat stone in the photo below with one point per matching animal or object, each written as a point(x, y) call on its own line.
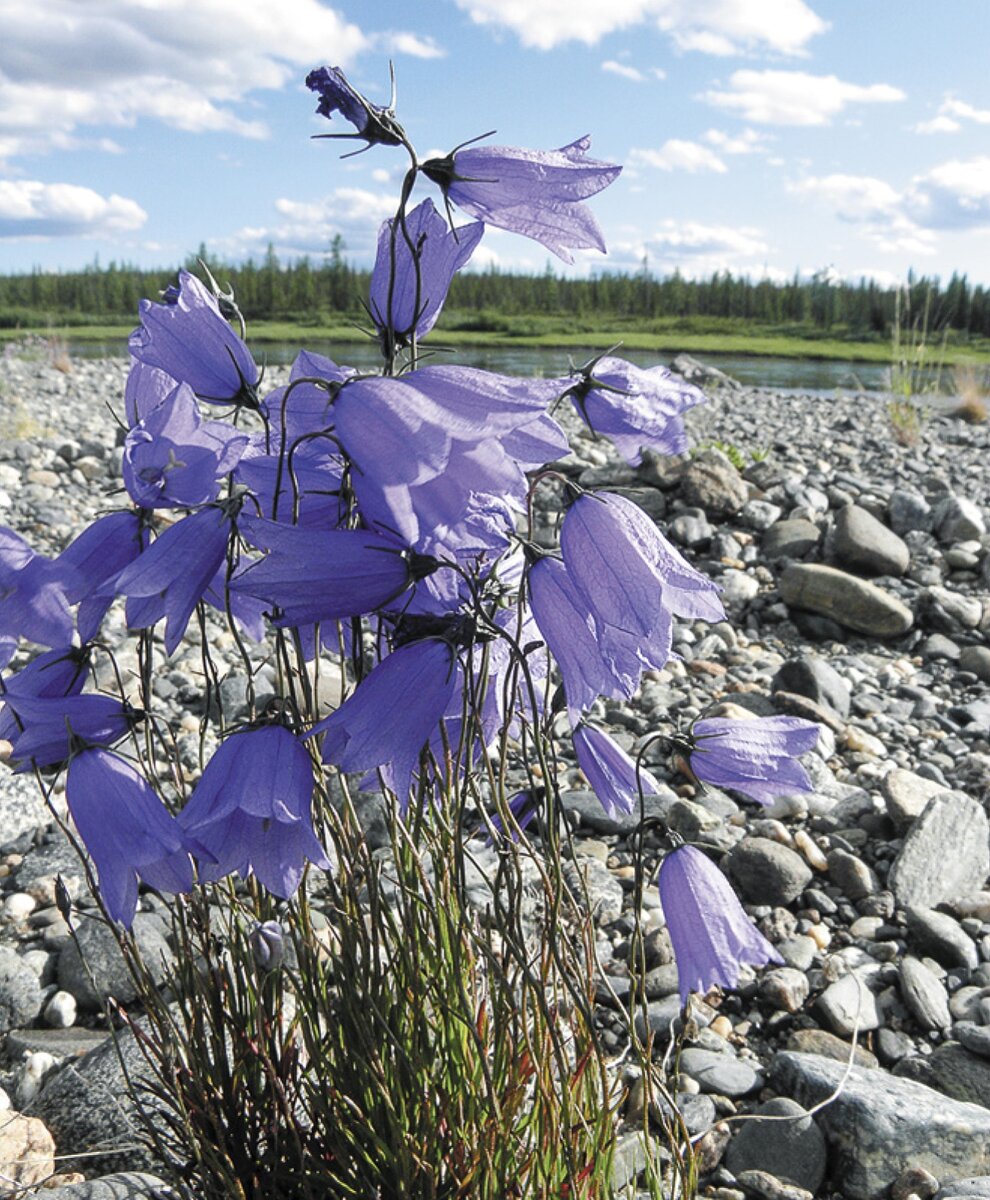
point(924, 995)
point(860, 542)
point(976, 660)
point(945, 853)
point(906, 795)
point(765, 1186)
point(942, 937)
point(977, 1187)
point(767, 872)
point(975, 1038)
point(877, 1124)
point(124, 1185)
point(819, 1041)
point(952, 1070)
point(791, 538)
point(720, 1074)
point(813, 677)
point(792, 1149)
point(851, 875)
point(60, 1043)
point(849, 1006)
point(948, 611)
point(854, 603)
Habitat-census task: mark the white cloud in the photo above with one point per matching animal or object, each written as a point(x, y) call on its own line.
point(878, 209)
point(953, 195)
point(951, 114)
point(623, 71)
point(677, 155)
point(719, 27)
point(695, 249)
point(191, 64)
point(30, 209)
point(795, 97)
point(747, 142)
point(308, 226)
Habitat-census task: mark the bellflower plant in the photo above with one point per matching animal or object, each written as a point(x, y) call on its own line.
point(709, 930)
point(377, 629)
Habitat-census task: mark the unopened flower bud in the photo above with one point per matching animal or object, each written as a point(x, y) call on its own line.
point(267, 945)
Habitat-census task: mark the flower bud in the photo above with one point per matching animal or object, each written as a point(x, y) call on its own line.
point(267, 945)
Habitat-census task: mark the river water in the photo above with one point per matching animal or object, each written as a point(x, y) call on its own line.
point(798, 374)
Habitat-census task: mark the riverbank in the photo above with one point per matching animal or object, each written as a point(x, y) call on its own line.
point(856, 574)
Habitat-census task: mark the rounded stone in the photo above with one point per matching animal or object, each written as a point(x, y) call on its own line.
point(791, 1146)
point(767, 872)
point(20, 992)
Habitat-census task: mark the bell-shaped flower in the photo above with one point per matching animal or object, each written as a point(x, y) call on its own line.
point(145, 389)
point(316, 575)
point(175, 571)
point(391, 715)
point(372, 123)
point(308, 478)
point(305, 405)
point(128, 832)
point(595, 659)
point(627, 570)
point(175, 459)
point(33, 603)
point(535, 193)
point(49, 723)
point(710, 932)
point(93, 561)
point(252, 810)
point(609, 770)
point(635, 408)
point(192, 342)
point(758, 756)
point(416, 260)
point(53, 674)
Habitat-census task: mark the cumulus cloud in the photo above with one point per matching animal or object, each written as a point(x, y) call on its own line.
point(953, 195)
point(308, 226)
point(623, 70)
point(719, 27)
point(794, 97)
point(951, 114)
point(747, 142)
point(878, 209)
point(695, 249)
point(190, 64)
point(677, 155)
point(30, 209)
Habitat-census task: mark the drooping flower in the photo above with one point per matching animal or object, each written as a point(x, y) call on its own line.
point(609, 770)
point(392, 713)
point(33, 603)
point(52, 674)
point(535, 193)
point(49, 723)
point(709, 930)
point(626, 568)
point(251, 810)
point(171, 576)
point(175, 459)
point(92, 562)
point(192, 342)
point(322, 575)
point(416, 260)
point(145, 389)
point(372, 123)
point(635, 408)
point(757, 757)
point(127, 830)
point(595, 659)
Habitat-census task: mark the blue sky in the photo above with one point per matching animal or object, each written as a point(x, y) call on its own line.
point(758, 136)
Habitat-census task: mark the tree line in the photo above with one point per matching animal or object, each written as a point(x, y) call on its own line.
point(307, 291)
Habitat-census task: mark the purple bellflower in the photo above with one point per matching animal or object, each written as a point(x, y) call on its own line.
point(52, 674)
point(389, 719)
point(95, 559)
point(251, 810)
point(127, 830)
point(308, 478)
point(635, 408)
point(193, 343)
point(416, 260)
point(709, 930)
point(49, 724)
point(535, 193)
point(609, 770)
point(372, 123)
point(757, 757)
point(171, 576)
point(33, 603)
point(322, 575)
point(626, 568)
point(175, 459)
point(145, 389)
point(594, 659)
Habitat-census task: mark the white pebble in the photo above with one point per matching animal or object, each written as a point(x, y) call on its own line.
point(811, 850)
point(19, 905)
point(32, 1075)
point(60, 1011)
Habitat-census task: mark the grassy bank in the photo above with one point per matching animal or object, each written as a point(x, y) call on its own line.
point(664, 337)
